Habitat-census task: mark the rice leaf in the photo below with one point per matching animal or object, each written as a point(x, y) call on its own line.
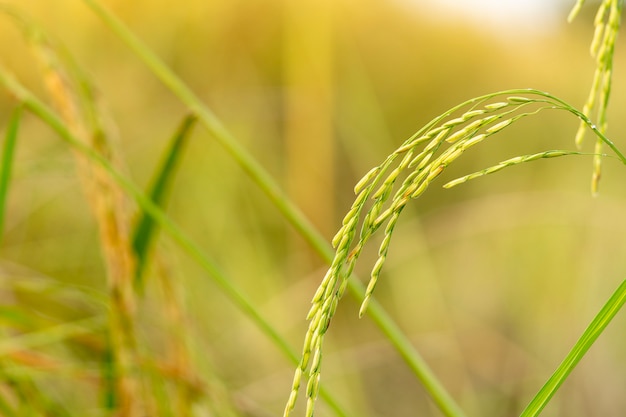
point(588, 338)
point(146, 228)
point(8, 152)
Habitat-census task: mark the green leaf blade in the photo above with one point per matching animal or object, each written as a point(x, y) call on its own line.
point(588, 338)
point(147, 229)
point(8, 153)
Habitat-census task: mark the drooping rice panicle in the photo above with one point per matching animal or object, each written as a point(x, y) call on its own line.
point(382, 255)
point(602, 48)
point(387, 189)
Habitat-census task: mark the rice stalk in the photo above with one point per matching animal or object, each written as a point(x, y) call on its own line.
point(480, 120)
point(277, 197)
point(73, 97)
point(602, 49)
point(124, 389)
point(109, 207)
point(188, 386)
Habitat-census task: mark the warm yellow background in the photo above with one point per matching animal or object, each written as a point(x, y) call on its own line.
point(493, 281)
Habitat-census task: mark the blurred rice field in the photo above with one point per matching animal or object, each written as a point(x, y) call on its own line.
point(492, 281)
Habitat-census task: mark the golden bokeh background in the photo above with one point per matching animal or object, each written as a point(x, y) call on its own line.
point(492, 281)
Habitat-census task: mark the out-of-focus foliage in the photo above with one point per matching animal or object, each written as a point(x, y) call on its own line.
point(492, 281)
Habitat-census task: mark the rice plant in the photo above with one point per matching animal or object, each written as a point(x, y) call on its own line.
point(119, 362)
point(462, 127)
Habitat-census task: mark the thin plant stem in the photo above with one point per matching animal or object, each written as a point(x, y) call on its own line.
point(269, 186)
point(215, 127)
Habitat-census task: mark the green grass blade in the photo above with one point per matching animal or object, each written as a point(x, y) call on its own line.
point(597, 326)
point(8, 153)
point(146, 228)
point(188, 246)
